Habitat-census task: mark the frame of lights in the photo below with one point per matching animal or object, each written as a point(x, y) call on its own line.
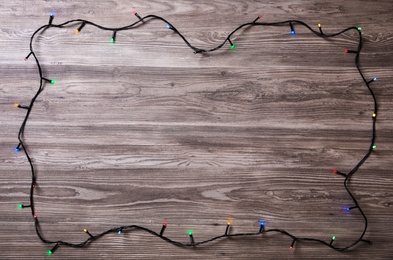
point(227, 234)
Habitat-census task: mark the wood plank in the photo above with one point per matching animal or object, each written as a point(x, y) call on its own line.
point(145, 131)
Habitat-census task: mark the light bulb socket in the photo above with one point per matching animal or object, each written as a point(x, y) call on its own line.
point(261, 228)
point(113, 39)
point(87, 232)
point(20, 106)
point(332, 240)
point(293, 243)
point(18, 147)
point(366, 241)
point(292, 29)
point(49, 80)
point(262, 224)
point(80, 27)
point(163, 228)
point(233, 46)
point(51, 16)
point(170, 27)
point(372, 80)
point(191, 239)
point(320, 28)
point(259, 17)
point(137, 15)
point(339, 173)
point(351, 208)
point(27, 57)
point(227, 229)
point(53, 249)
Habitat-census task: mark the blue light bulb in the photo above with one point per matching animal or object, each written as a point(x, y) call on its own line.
point(168, 26)
point(17, 149)
point(262, 223)
point(293, 32)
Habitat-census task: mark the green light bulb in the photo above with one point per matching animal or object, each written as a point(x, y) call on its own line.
point(333, 237)
point(50, 252)
point(190, 232)
point(20, 206)
point(359, 28)
point(233, 46)
point(53, 82)
point(112, 40)
point(374, 147)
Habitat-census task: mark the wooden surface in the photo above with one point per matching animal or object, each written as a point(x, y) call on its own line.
point(144, 131)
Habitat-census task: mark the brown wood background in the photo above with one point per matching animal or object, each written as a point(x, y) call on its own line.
point(144, 131)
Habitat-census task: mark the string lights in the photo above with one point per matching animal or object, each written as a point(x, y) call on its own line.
point(262, 224)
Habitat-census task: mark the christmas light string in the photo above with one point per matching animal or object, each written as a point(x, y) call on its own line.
point(193, 243)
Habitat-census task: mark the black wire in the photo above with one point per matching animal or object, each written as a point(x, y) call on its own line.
point(196, 50)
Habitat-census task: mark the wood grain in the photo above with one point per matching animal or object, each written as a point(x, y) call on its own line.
point(145, 130)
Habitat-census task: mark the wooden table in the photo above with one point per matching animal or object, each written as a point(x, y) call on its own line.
point(144, 131)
